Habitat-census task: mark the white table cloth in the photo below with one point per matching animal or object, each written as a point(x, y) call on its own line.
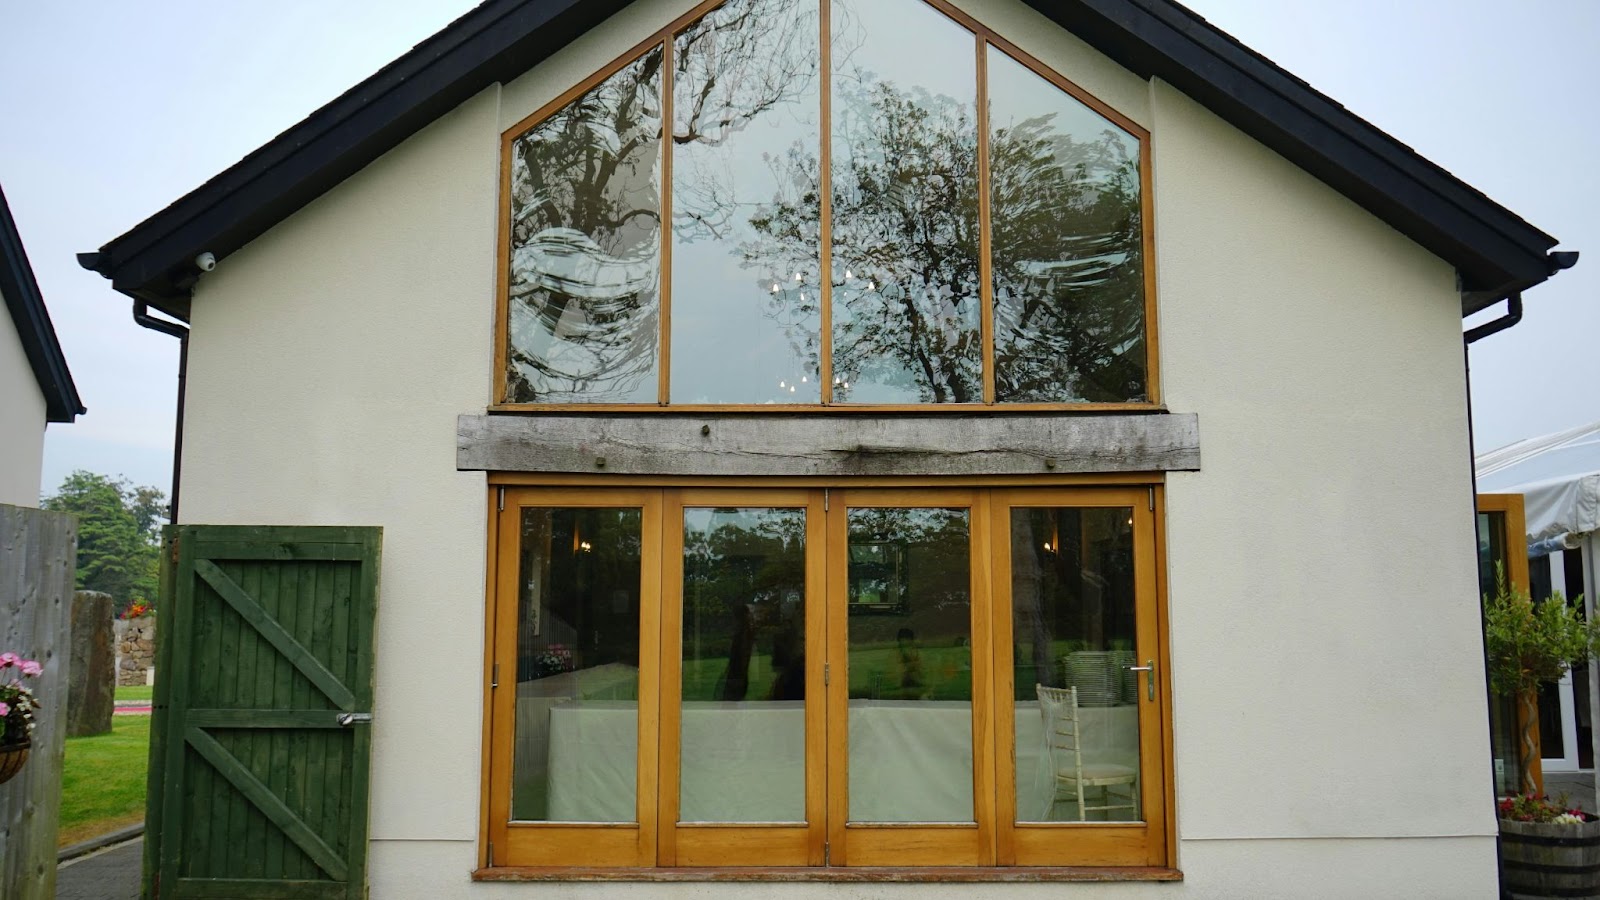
point(910, 761)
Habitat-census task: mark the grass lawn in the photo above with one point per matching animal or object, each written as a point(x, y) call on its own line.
point(103, 779)
point(145, 692)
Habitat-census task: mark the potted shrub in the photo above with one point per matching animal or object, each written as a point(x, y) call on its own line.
point(17, 705)
point(1527, 644)
point(1546, 849)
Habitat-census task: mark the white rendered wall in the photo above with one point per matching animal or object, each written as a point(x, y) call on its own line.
point(1331, 735)
point(22, 421)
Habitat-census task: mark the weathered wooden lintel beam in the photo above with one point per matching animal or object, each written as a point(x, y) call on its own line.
point(828, 445)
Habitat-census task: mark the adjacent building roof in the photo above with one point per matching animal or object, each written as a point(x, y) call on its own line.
point(1492, 248)
point(38, 336)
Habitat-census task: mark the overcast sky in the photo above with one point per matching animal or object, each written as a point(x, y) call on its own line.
point(110, 110)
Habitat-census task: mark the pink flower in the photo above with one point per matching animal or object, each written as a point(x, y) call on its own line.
point(5, 709)
point(7, 660)
point(31, 667)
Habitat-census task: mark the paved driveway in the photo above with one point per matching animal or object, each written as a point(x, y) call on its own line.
point(110, 874)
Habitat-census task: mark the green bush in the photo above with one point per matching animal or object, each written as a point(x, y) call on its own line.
point(1527, 643)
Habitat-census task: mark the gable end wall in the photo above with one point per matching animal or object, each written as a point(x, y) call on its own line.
point(1329, 709)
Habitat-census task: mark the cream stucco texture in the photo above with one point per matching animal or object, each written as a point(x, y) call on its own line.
point(1330, 733)
point(22, 422)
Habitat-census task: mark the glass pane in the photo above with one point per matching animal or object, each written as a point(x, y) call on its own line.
point(1067, 245)
point(744, 665)
point(746, 301)
point(585, 246)
point(910, 665)
point(577, 707)
point(1503, 734)
point(907, 308)
point(1077, 704)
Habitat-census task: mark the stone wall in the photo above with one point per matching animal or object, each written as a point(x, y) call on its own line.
point(136, 649)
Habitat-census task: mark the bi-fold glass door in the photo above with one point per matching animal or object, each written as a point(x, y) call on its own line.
point(742, 730)
point(804, 677)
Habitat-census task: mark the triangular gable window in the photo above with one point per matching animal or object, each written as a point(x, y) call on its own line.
point(912, 213)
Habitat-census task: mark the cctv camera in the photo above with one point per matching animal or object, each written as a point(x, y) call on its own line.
point(206, 261)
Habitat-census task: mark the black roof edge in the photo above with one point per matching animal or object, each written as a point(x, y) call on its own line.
point(495, 41)
point(1494, 251)
point(38, 335)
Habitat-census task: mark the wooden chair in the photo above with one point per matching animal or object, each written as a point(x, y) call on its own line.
point(1064, 741)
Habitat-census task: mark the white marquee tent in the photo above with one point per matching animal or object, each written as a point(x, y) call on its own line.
point(1559, 478)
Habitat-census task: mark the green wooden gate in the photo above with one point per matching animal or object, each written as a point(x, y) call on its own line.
point(261, 739)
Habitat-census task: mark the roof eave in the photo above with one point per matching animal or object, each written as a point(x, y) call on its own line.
point(1494, 251)
point(32, 319)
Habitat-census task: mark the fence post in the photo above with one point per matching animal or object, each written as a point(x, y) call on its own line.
point(38, 552)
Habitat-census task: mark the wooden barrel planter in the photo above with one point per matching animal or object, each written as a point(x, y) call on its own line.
point(12, 756)
point(1550, 860)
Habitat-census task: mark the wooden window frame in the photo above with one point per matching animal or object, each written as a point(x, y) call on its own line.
point(983, 38)
point(994, 848)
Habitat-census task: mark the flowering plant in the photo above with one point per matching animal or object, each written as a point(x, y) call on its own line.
point(1537, 809)
point(136, 609)
point(17, 702)
point(553, 660)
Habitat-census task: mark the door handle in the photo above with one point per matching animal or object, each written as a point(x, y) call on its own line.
point(1149, 670)
point(348, 719)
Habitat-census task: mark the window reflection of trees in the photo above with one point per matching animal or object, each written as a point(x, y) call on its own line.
point(1066, 228)
point(744, 604)
point(585, 241)
point(1067, 253)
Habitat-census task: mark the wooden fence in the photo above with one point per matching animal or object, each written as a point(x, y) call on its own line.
point(38, 551)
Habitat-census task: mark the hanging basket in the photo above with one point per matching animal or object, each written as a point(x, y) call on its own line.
point(12, 756)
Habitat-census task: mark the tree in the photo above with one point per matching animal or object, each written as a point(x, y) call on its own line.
point(119, 534)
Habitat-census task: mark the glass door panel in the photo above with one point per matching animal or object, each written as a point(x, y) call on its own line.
point(909, 667)
point(577, 673)
point(741, 609)
point(907, 656)
point(576, 665)
point(744, 666)
point(1078, 678)
point(1076, 695)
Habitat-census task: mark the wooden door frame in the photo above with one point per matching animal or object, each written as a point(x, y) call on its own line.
point(1144, 491)
point(1511, 506)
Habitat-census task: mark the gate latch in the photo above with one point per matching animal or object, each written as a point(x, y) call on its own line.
point(349, 719)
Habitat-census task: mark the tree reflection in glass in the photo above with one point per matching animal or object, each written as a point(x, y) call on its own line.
point(584, 263)
point(1066, 245)
point(746, 113)
point(906, 302)
point(744, 665)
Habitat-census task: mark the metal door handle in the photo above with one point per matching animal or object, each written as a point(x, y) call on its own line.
point(1149, 670)
point(349, 719)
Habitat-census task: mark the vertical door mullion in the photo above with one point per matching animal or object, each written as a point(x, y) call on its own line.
point(671, 682)
point(817, 698)
point(836, 559)
point(1004, 692)
point(981, 644)
point(650, 663)
point(1152, 764)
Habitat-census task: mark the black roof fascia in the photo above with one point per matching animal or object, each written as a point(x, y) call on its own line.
point(38, 336)
point(1493, 249)
point(496, 41)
